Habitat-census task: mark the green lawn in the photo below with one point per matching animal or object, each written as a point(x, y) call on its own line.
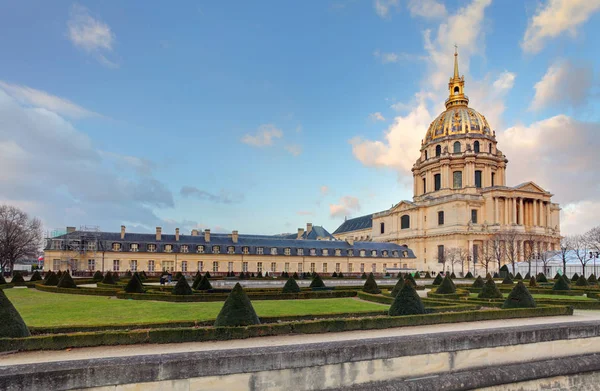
point(43, 309)
point(544, 296)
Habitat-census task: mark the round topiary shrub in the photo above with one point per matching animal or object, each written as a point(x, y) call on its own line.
point(561, 284)
point(519, 297)
point(237, 310)
point(575, 277)
point(541, 277)
point(317, 282)
point(453, 276)
point(592, 280)
point(469, 275)
point(518, 276)
point(36, 276)
point(407, 302)
point(446, 287)
point(204, 284)
point(490, 290)
point(582, 281)
point(52, 279)
point(364, 276)
point(17, 278)
point(399, 285)
point(108, 279)
point(371, 285)
point(66, 281)
point(182, 287)
point(409, 277)
point(427, 275)
point(11, 323)
point(478, 283)
point(134, 285)
point(507, 281)
point(291, 286)
point(532, 282)
point(438, 279)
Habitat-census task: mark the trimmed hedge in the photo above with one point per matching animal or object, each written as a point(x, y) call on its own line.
point(507, 281)
point(371, 285)
point(108, 279)
point(490, 290)
point(407, 302)
point(409, 277)
point(469, 275)
point(582, 281)
point(561, 284)
point(51, 279)
point(541, 277)
point(446, 287)
point(519, 298)
point(518, 276)
point(78, 290)
point(199, 334)
point(237, 310)
point(203, 297)
point(2, 280)
point(291, 286)
point(459, 294)
point(98, 276)
point(204, 284)
point(575, 277)
point(592, 280)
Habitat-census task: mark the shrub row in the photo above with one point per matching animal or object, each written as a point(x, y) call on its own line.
point(199, 334)
point(6, 286)
point(439, 306)
point(203, 297)
point(77, 291)
point(452, 296)
point(534, 291)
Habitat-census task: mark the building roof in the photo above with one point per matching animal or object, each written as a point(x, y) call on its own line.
point(355, 224)
point(220, 243)
point(316, 233)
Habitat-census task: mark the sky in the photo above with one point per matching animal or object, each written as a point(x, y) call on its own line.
point(263, 116)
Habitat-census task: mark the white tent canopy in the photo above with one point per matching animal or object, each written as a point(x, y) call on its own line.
point(554, 264)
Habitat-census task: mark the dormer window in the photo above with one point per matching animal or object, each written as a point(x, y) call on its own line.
point(151, 248)
point(259, 251)
point(287, 251)
point(350, 253)
point(405, 254)
point(363, 253)
point(168, 248)
point(325, 252)
point(300, 251)
point(116, 246)
point(134, 247)
point(185, 249)
point(230, 250)
point(216, 249)
point(395, 253)
point(200, 249)
point(245, 250)
point(338, 252)
point(91, 246)
point(384, 253)
point(374, 253)
point(273, 250)
point(313, 251)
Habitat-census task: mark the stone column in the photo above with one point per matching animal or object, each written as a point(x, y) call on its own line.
point(548, 215)
point(521, 215)
point(535, 222)
point(496, 211)
point(514, 210)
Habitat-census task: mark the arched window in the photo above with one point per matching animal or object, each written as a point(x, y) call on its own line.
point(456, 90)
point(457, 147)
point(476, 146)
point(425, 155)
point(457, 176)
point(405, 222)
point(438, 150)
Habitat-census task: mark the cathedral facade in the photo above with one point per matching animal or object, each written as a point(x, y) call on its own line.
point(461, 201)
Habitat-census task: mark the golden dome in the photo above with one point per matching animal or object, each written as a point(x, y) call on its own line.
point(458, 117)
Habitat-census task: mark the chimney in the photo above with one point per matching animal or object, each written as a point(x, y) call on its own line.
point(300, 233)
point(308, 227)
point(158, 233)
point(122, 232)
point(70, 230)
point(207, 235)
point(194, 232)
point(234, 236)
point(177, 234)
point(350, 241)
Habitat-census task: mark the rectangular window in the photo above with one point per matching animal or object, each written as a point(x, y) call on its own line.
point(474, 216)
point(337, 267)
point(168, 266)
point(457, 179)
point(312, 267)
point(373, 267)
point(215, 266)
point(259, 267)
point(133, 265)
point(478, 179)
point(200, 250)
point(362, 267)
point(200, 266)
point(116, 265)
point(287, 251)
point(313, 251)
point(350, 268)
point(299, 267)
point(384, 267)
point(184, 248)
point(382, 228)
point(324, 268)
point(338, 252)
point(152, 248)
point(437, 181)
point(441, 253)
point(230, 250)
point(245, 250)
point(273, 267)
point(259, 250)
point(441, 218)
point(245, 267)
point(424, 185)
point(230, 267)
point(91, 265)
point(116, 246)
point(184, 266)
point(216, 249)
point(91, 246)
point(300, 251)
point(168, 248)
point(493, 179)
point(273, 250)
point(286, 267)
point(150, 265)
point(134, 247)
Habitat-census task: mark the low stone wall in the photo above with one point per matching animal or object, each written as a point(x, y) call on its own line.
point(443, 361)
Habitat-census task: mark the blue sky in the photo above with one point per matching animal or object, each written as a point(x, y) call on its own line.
point(262, 116)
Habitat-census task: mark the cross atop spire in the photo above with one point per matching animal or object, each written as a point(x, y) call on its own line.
point(456, 76)
point(456, 86)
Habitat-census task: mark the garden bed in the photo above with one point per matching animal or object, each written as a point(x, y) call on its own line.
point(77, 291)
point(203, 297)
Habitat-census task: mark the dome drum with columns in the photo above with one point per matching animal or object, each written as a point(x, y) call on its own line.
point(460, 198)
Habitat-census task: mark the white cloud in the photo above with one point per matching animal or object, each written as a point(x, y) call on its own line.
point(224, 197)
point(555, 18)
point(92, 35)
point(346, 206)
point(376, 117)
point(563, 84)
point(32, 97)
point(390, 57)
point(430, 9)
point(264, 136)
point(383, 7)
point(324, 190)
point(294, 149)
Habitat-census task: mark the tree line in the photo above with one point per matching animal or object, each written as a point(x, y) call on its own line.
point(20, 236)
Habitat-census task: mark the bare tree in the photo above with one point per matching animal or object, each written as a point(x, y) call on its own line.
point(442, 257)
point(528, 249)
point(566, 245)
point(457, 256)
point(580, 249)
point(20, 236)
point(498, 249)
point(486, 254)
point(593, 239)
point(510, 238)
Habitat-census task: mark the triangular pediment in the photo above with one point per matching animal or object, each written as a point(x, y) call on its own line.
point(402, 205)
point(530, 186)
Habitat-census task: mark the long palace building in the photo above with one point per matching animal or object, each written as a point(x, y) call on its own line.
point(310, 250)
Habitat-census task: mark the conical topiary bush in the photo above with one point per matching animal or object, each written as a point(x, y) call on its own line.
point(317, 282)
point(108, 279)
point(66, 281)
point(518, 276)
point(438, 279)
point(488, 276)
point(446, 287)
point(519, 297)
point(469, 275)
point(182, 287)
point(496, 275)
point(478, 283)
point(417, 275)
point(399, 285)
point(399, 275)
point(52, 279)
point(207, 274)
point(556, 276)
point(532, 282)
point(197, 280)
point(371, 285)
point(592, 280)
point(541, 278)
point(507, 281)
point(490, 290)
point(291, 286)
point(561, 284)
point(340, 275)
point(59, 274)
point(427, 275)
point(407, 302)
point(116, 277)
point(11, 323)
point(453, 276)
point(98, 276)
point(237, 310)
point(409, 277)
point(511, 276)
point(17, 278)
point(527, 276)
point(134, 285)
point(204, 284)
point(178, 276)
point(295, 276)
point(582, 281)
point(575, 277)
point(364, 276)
point(36, 276)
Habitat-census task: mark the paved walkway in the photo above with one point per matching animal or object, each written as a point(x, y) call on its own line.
point(135, 350)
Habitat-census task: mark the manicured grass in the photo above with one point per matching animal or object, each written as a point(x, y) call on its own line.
point(543, 296)
point(43, 309)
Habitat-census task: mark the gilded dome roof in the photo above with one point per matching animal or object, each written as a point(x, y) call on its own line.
point(458, 120)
